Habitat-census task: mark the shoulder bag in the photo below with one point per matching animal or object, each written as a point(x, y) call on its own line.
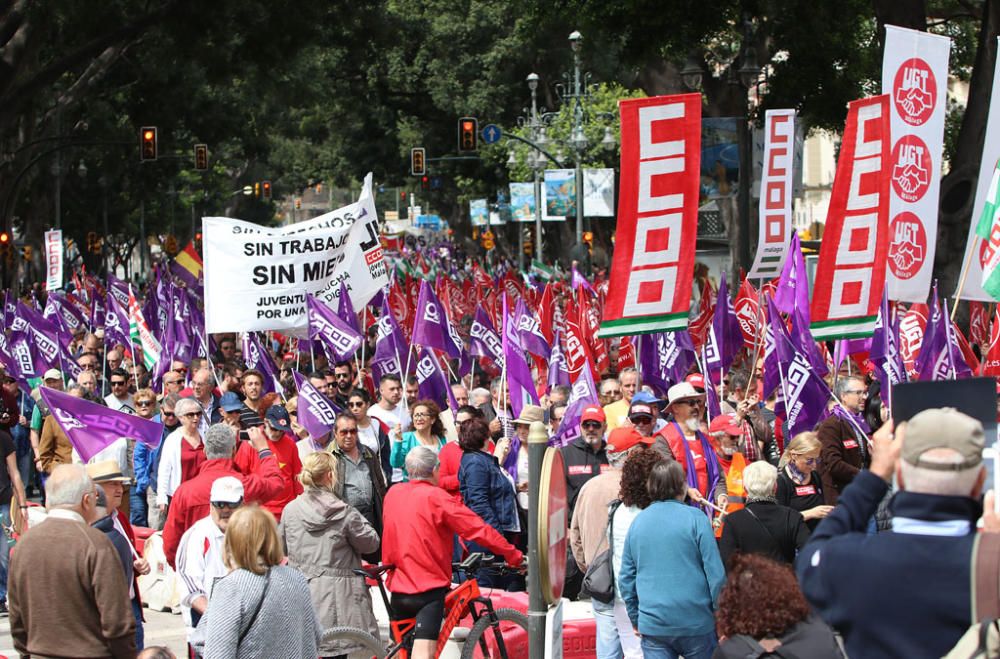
point(599, 581)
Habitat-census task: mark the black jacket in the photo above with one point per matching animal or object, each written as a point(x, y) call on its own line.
point(811, 638)
point(580, 464)
point(777, 532)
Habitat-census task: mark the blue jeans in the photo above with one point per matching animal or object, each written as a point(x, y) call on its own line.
point(673, 647)
point(608, 646)
point(140, 636)
point(4, 550)
point(138, 510)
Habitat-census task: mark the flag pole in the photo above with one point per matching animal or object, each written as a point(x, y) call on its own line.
point(961, 283)
point(757, 345)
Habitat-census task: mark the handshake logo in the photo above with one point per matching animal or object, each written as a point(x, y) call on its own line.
point(914, 92)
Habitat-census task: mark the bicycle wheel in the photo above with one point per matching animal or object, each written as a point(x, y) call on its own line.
point(355, 635)
point(511, 627)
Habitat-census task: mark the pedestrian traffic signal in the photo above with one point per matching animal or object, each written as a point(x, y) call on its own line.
point(468, 134)
point(26, 252)
point(418, 164)
point(265, 190)
point(201, 157)
point(147, 143)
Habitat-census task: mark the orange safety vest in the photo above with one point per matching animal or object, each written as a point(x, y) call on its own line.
point(734, 491)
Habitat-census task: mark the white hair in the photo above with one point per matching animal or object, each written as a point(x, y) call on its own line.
point(67, 485)
point(186, 406)
point(759, 479)
point(943, 482)
point(220, 441)
point(420, 463)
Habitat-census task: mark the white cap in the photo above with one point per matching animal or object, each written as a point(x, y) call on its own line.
point(226, 490)
point(52, 374)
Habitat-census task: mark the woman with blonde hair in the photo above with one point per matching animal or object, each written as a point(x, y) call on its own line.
point(325, 539)
point(799, 484)
point(261, 608)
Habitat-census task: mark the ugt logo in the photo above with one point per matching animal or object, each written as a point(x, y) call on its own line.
point(914, 91)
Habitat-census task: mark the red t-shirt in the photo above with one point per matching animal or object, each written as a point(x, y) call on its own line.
point(287, 454)
point(699, 466)
point(191, 460)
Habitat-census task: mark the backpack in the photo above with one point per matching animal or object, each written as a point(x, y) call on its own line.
point(982, 639)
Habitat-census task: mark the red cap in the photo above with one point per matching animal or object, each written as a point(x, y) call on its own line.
point(623, 438)
point(593, 413)
point(725, 423)
point(696, 380)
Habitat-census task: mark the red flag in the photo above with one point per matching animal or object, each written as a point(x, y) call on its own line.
point(750, 315)
point(626, 354)
point(991, 356)
point(850, 276)
point(589, 321)
point(484, 283)
point(979, 324)
point(706, 307)
point(401, 308)
point(911, 336)
point(967, 353)
point(577, 350)
point(546, 311)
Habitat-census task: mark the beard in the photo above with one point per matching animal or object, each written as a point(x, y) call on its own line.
point(692, 424)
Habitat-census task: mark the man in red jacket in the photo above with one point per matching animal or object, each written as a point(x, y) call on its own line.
point(191, 500)
point(419, 519)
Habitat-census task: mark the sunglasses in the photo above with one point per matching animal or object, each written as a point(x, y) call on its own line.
point(144, 403)
point(591, 425)
point(118, 383)
point(642, 419)
point(227, 505)
point(191, 415)
point(342, 376)
point(165, 414)
point(353, 431)
point(182, 369)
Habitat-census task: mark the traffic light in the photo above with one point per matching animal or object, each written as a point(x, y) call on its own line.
point(256, 189)
point(425, 183)
point(418, 164)
point(201, 157)
point(26, 252)
point(147, 143)
point(588, 237)
point(298, 204)
point(468, 134)
point(265, 190)
point(93, 246)
point(5, 245)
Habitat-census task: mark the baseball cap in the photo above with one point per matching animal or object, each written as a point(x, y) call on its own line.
point(645, 397)
point(725, 423)
point(696, 380)
point(593, 413)
point(943, 427)
point(683, 391)
point(226, 490)
point(230, 402)
point(277, 418)
point(623, 438)
point(640, 409)
point(52, 374)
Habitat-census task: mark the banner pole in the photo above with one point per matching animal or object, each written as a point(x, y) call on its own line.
point(961, 283)
point(757, 344)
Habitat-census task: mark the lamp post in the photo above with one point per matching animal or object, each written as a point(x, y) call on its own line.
point(537, 165)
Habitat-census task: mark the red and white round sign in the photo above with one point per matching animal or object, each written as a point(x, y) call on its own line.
point(907, 245)
point(914, 91)
point(911, 168)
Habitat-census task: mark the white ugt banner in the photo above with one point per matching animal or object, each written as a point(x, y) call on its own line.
point(53, 260)
point(974, 248)
point(775, 195)
point(915, 75)
point(256, 278)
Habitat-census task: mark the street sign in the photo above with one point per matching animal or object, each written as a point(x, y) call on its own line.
point(492, 133)
point(553, 524)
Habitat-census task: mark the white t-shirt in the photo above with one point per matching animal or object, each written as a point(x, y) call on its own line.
point(126, 404)
point(398, 415)
point(369, 436)
point(199, 563)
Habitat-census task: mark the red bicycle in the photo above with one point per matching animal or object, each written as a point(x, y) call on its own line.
point(496, 633)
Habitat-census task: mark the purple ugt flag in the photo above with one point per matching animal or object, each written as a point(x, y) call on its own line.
point(116, 323)
point(431, 327)
point(484, 340)
point(432, 383)
point(889, 368)
point(519, 380)
point(725, 338)
point(317, 413)
point(530, 331)
point(777, 348)
point(558, 370)
point(793, 285)
point(584, 393)
point(340, 341)
point(91, 428)
point(257, 358)
point(805, 396)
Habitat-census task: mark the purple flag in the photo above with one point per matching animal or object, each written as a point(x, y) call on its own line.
point(44, 335)
point(119, 289)
point(432, 383)
point(712, 405)
point(844, 348)
point(345, 309)
point(91, 427)
point(9, 308)
point(391, 349)
point(431, 327)
point(889, 368)
point(584, 393)
point(558, 370)
point(257, 358)
point(23, 356)
point(317, 413)
point(340, 341)
point(519, 380)
point(724, 339)
point(777, 345)
point(793, 286)
point(934, 340)
point(484, 340)
point(577, 280)
point(530, 331)
point(805, 343)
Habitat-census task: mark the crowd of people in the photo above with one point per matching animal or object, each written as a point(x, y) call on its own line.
point(723, 535)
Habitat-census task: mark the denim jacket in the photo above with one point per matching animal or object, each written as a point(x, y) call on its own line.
point(487, 491)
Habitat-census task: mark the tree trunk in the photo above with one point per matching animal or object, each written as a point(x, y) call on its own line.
point(958, 188)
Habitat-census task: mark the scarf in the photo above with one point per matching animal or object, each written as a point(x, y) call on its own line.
point(711, 465)
point(797, 476)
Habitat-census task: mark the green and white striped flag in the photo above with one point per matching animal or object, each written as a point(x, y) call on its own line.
point(139, 332)
point(989, 230)
point(544, 272)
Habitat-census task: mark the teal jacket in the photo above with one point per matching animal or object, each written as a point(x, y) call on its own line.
point(671, 571)
point(397, 457)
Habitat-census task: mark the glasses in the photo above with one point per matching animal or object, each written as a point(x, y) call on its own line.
point(356, 404)
point(227, 505)
point(191, 415)
point(859, 392)
point(342, 376)
point(171, 381)
point(89, 366)
point(812, 462)
point(423, 415)
point(351, 431)
point(689, 403)
point(118, 383)
point(144, 403)
point(591, 425)
point(165, 413)
point(642, 419)
point(182, 369)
